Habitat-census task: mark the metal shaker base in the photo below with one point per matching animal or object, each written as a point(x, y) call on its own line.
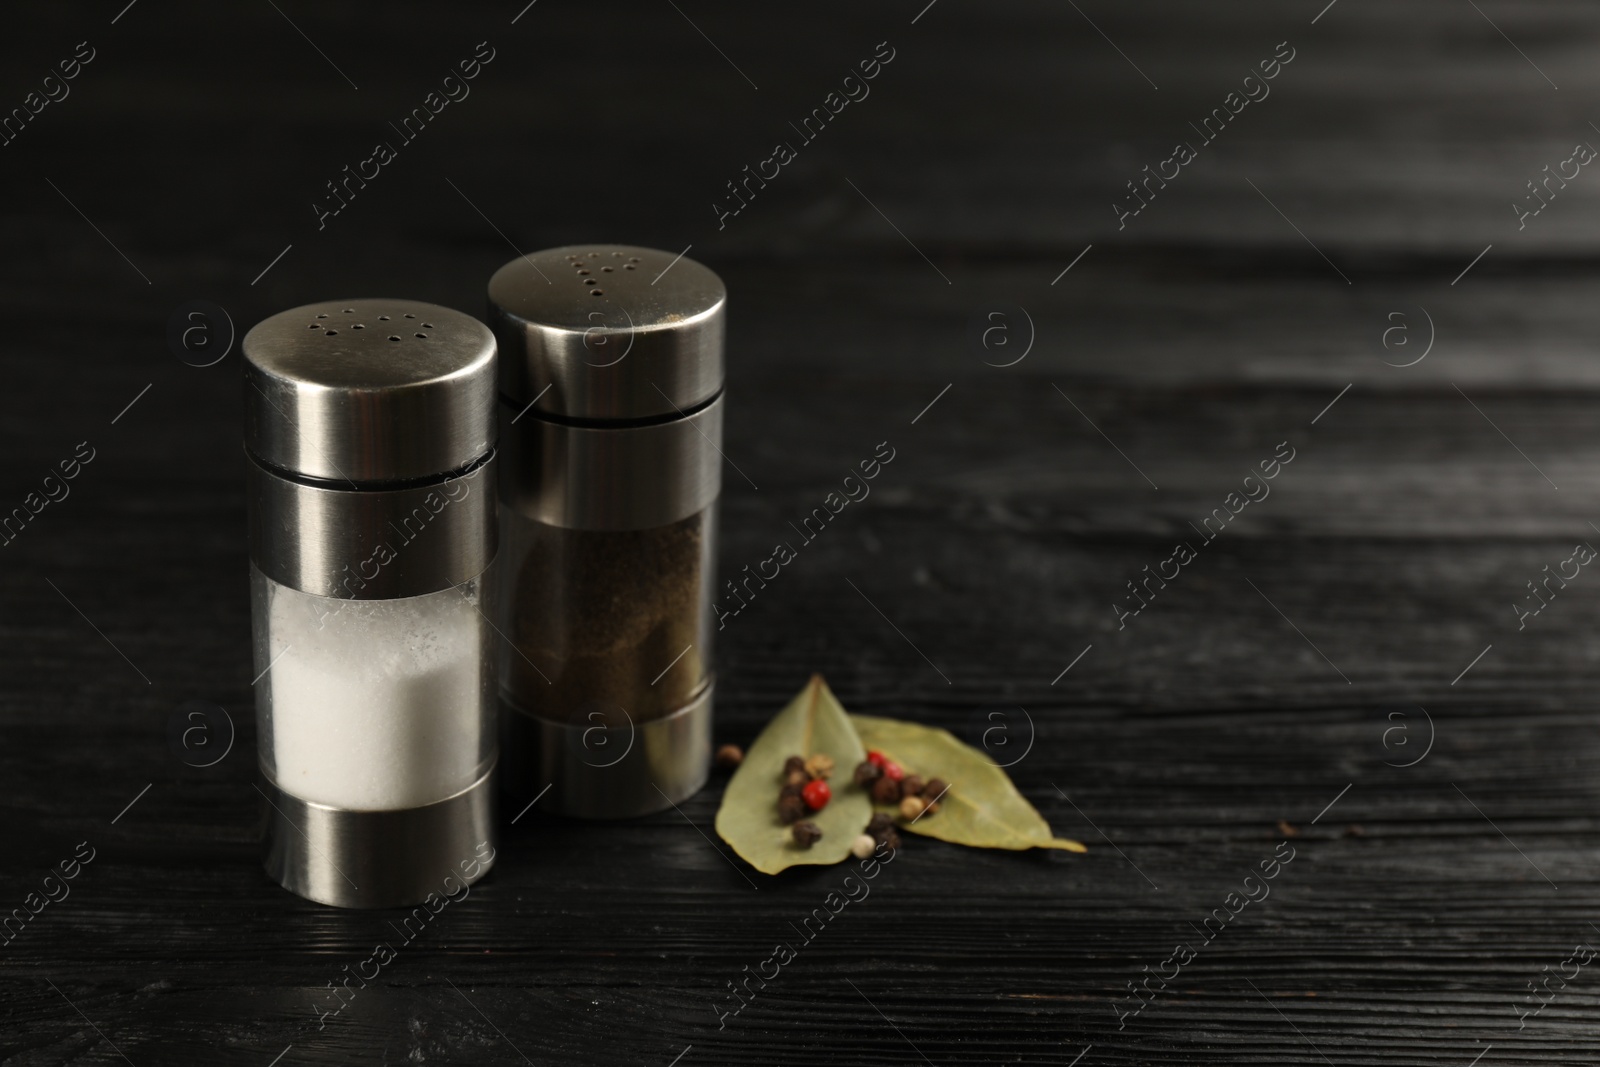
point(378, 859)
point(616, 771)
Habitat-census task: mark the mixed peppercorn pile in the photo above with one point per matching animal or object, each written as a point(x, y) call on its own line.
point(805, 789)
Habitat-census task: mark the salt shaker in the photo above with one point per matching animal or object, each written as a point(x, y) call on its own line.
point(369, 437)
point(611, 379)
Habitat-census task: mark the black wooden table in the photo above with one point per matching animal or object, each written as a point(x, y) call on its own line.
point(1347, 670)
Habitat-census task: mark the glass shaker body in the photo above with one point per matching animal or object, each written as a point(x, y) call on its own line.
point(608, 618)
point(373, 532)
point(374, 705)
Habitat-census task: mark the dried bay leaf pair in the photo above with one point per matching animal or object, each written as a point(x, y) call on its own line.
point(982, 808)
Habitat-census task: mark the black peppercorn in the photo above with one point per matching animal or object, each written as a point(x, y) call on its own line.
point(806, 833)
point(881, 823)
point(934, 789)
point(791, 791)
point(794, 763)
point(891, 838)
point(868, 772)
point(886, 791)
point(912, 785)
point(790, 808)
point(729, 757)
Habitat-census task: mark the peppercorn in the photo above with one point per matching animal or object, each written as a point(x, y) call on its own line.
point(820, 765)
point(868, 772)
point(874, 756)
point(794, 763)
point(881, 822)
point(935, 789)
point(729, 757)
point(912, 785)
point(911, 807)
point(893, 770)
point(806, 833)
point(790, 808)
point(797, 776)
point(932, 806)
point(891, 838)
point(816, 794)
point(863, 846)
point(886, 791)
point(791, 790)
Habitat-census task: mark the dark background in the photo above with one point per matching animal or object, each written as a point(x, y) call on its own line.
point(1306, 655)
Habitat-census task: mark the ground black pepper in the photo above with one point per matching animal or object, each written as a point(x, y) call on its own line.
point(603, 617)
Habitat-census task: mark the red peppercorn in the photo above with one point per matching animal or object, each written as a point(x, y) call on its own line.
point(874, 756)
point(893, 770)
point(816, 794)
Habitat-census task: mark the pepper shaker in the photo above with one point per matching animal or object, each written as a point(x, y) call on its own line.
point(369, 438)
point(611, 425)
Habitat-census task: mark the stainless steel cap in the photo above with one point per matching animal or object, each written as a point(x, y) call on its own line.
point(608, 332)
point(369, 390)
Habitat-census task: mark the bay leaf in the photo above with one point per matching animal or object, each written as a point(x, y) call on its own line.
point(982, 807)
point(814, 722)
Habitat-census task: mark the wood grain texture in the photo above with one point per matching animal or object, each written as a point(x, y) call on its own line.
point(1358, 617)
